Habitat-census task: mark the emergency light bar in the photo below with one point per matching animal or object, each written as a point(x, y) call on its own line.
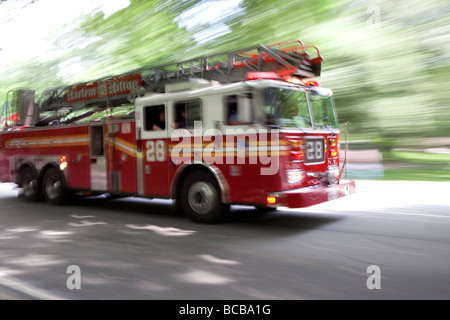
point(268, 75)
point(311, 83)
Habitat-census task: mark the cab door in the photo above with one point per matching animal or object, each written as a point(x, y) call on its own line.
point(152, 144)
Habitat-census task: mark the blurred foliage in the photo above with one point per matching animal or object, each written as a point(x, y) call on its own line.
point(386, 61)
point(416, 166)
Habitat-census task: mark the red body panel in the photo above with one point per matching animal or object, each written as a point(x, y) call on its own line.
point(121, 157)
point(239, 161)
point(309, 196)
point(38, 144)
point(156, 167)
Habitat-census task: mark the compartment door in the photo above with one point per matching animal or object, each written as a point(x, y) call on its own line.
point(99, 178)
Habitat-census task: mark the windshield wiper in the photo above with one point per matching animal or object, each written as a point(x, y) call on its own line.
point(327, 126)
point(294, 124)
point(324, 126)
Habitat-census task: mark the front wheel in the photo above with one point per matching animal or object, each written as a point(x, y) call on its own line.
point(201, 199)
point(54, 187)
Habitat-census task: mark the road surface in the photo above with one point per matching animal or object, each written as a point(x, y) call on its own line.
point(390, 240)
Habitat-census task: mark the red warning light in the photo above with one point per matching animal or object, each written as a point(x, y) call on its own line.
point(262, 75)
point(312, 83)
point(272, 200)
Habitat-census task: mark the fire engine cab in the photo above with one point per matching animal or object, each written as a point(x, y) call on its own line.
point(247, 127)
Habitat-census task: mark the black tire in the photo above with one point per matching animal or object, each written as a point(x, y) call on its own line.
point(30, 185)
point(201, 198)
point(54, 187)
point(176, 209)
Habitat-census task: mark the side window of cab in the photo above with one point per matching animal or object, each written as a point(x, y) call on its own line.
point(239, 109)
point(186, 113)
point(155, 118)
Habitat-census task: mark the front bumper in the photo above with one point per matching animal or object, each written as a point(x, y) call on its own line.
point(309, 196)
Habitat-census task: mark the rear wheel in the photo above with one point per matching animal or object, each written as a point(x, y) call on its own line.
point(54, 187)
point(30, 185)
point(201, 199)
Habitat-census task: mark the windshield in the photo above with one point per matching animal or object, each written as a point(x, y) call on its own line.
point(289, 108)
point(323, 111)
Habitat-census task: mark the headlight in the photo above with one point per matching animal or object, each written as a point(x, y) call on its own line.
point(295, 176)
point(332, 174)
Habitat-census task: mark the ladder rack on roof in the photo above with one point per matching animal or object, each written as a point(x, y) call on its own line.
point(284, 58)
point(288, 58)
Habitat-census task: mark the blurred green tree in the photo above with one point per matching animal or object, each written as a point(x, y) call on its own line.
point(387, 62)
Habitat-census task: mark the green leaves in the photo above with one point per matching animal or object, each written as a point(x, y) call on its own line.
point(387, 62)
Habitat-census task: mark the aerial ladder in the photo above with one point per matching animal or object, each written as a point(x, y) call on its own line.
point(287, 58)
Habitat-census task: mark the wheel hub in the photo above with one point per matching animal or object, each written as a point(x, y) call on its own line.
point(29, 186)
point(53, 188)
point(201, 197)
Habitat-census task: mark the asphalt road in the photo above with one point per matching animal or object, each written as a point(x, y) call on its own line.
point(387, 241)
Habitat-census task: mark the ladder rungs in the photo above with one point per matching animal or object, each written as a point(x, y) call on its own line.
point(286, 58)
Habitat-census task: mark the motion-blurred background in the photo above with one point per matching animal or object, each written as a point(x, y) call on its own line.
point(388, 62)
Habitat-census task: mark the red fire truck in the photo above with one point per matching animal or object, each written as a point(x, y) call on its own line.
point(247, 127)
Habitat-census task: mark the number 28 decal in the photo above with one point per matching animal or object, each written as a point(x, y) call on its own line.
point(314, 150)
point(155, 151)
